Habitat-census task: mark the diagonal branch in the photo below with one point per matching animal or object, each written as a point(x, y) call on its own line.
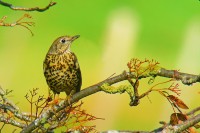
point(193, 111)
point(12, 122)
point(16, 112)
point(186, 79)
point(180, 127)
point(27, 9)
point(124, 131)
point(189, 123)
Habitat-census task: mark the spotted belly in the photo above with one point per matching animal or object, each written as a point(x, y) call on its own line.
point(62, 73)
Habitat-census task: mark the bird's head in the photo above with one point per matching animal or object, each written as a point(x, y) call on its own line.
point(62, 44)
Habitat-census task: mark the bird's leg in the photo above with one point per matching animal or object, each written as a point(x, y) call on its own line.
point(55, 99)
point(70, 95)
point(54, 95)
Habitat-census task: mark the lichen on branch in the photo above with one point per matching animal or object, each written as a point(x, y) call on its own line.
point(120, 89)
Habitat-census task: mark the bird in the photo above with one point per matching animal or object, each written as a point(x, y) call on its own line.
point(61, 67)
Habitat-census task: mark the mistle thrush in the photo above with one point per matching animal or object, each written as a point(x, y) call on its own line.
point(61, 67)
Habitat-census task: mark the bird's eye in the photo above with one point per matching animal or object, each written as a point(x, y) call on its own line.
point(62, 40)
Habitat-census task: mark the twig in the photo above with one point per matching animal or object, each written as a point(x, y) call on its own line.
point(183, 126)
point(12, 122)
point(9, 105)
point(180, 127)
point(19, 22)
point(7, 101)
point(135, 85)
point(2, 127)
point(27, 9)
point(152, 89)
point(187, 79)
point(15, 112)
point(193, 111)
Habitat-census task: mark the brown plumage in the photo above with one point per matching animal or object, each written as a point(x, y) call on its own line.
point(61, 67)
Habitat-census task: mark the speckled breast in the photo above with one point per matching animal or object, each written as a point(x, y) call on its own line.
point(62, 72)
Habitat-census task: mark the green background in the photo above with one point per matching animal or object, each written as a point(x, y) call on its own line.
point(112, 32)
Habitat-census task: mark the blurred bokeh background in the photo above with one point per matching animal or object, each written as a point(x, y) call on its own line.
point(112, 32)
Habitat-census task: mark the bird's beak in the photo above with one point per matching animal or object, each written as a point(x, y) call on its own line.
point(75, 37)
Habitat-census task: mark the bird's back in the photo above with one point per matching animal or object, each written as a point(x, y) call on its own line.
point(62, 72)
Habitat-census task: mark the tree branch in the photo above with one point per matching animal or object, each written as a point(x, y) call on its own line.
point(189, 123)
point(186, 79)
point(192, 112)
point(27, 9)
point(180, 127)
point(7, 106)
point(15, 112)
point(19, 22)
point(12, 122)
point(123, 131)
point(183, 126)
